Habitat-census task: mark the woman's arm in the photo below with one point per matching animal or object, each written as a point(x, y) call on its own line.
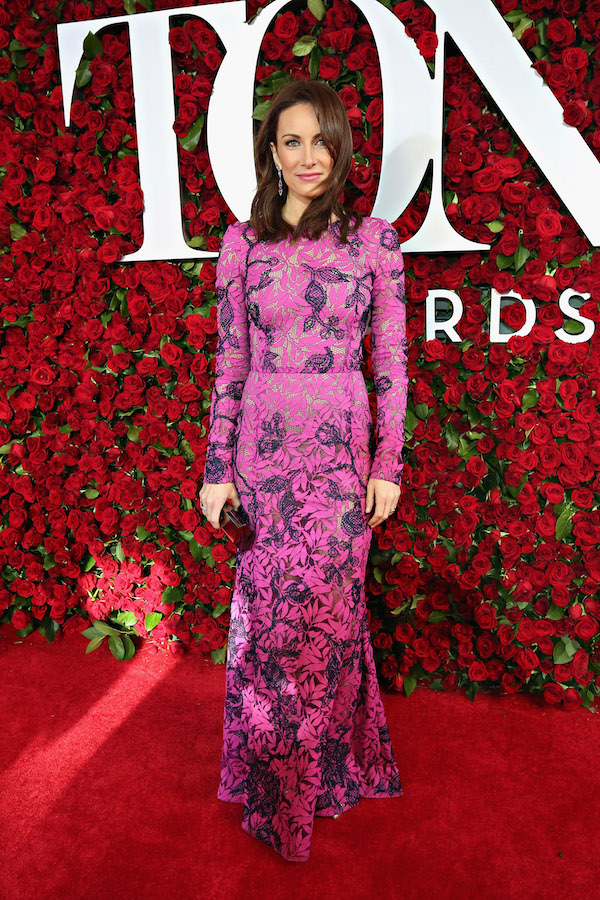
point(389, 355)
point(232, 361)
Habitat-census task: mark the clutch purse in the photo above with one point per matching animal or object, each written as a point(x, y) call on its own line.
point(236, 525)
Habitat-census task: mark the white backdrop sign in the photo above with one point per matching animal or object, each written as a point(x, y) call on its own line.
point(413, 115)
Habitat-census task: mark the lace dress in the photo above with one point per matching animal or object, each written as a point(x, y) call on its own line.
point(304, 730)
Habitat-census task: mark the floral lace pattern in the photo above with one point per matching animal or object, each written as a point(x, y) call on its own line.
point(304, 729)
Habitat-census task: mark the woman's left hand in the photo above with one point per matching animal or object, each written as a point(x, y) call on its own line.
point(386, 495)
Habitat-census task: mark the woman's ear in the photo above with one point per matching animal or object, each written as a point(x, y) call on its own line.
point(274, 154)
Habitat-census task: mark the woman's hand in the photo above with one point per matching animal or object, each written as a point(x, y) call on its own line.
point(385, 494)
point(212, 499)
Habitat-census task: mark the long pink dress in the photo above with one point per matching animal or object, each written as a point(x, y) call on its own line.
point(304, 729)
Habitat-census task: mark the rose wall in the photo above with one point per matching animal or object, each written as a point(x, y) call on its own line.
point(489, 575)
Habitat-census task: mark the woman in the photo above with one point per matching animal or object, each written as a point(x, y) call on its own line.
point(291, 439)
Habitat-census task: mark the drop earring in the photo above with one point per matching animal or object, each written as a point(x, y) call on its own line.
point(280, 184)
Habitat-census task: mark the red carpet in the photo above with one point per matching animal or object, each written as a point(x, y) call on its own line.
point(110, 772)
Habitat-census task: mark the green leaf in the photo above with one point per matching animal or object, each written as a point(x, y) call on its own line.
point(190, 140)
point(92, 45)
point(151, 620)
point(522, 254)
point(496, 226)
point(562, 653)
point(410, 422)
point(219, 655)
point(564, 523)
point(523, 25)
point(555, 612)
point(129, 6)
point(119, 552)
point(471, 689)
point(421, 410)
point(173, 594)
point(466, 449)
point(437, 615)
point(530, 398)
point(313, 63)
point(503, 261)
point(126, 617)
point(103, 628)
point(304, 45)
point(409, 684)
point(219, 608)
point(474, 415)
point(452, 437)
point(260, 110)
point(19, 59)
point(49, 628)
point(129, 646)
point(317, 9)
point(16, 231)
point(572, 326)
point(91, 632)
point(195, 550)
point(83, 75)
point(116, 646)
point(94, 644)
point(540, 52)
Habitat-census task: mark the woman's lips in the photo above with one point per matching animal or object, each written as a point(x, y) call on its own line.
point(309, 177)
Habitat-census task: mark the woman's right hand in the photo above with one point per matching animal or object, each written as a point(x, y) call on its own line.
point(213, 497)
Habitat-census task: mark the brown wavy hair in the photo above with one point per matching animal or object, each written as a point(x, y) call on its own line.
point(266, 217)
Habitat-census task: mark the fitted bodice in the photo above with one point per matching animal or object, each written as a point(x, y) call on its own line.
point(303, 309)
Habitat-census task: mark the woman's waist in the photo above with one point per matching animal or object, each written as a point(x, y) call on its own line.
point(303, 373)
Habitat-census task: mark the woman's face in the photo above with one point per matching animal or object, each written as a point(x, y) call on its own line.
point(300, 150)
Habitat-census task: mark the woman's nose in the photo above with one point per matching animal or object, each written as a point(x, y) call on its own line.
point(309, 157)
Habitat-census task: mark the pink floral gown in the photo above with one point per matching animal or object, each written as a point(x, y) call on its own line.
point(304, 729)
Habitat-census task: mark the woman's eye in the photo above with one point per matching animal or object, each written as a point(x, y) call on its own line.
point(294, 141)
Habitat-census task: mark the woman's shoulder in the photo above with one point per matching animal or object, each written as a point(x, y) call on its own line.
point(378, 232)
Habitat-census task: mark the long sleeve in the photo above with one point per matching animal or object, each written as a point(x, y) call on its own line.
point(232, 361)
point(389, 355)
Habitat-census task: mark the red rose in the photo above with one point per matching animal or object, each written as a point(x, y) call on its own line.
point(478, 671)
point(201, 34)
point(286, 26)
point(548, 223)
point(329, 67)
point(553, 693)
point(374, 113)
point(180, 40)
point(560, 31)
point(427, 44)
point(271, 46)
point(20, 619)
point(586, 627)
point(487, 179)
point(382, 640)
point(575, 58)
point(349, 95)
point(341, 39)
point(485, 615)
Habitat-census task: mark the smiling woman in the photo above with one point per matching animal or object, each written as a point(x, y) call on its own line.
point(291, 439)
point(303, 154)
point(301, 158)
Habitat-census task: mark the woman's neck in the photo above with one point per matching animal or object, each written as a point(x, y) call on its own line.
point(333, 219)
